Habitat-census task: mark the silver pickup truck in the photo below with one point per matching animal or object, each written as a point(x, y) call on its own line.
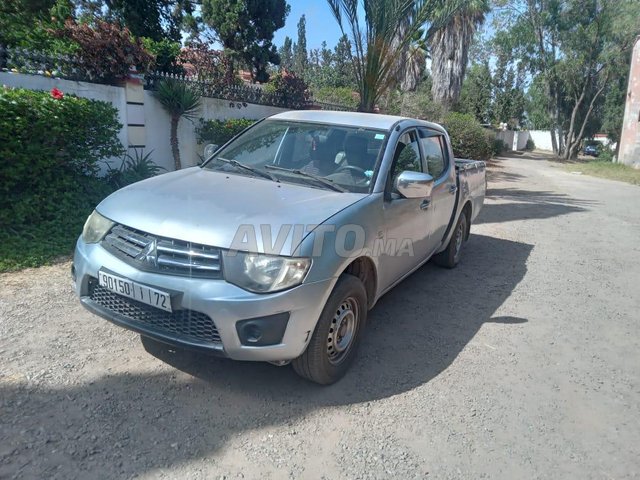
point(278, 245)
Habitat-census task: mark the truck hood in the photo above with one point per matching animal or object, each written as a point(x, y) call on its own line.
point(214, 208)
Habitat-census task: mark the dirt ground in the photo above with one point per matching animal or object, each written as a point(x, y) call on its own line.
point(524, 362)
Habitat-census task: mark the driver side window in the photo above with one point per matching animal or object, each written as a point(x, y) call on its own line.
point(405, 157)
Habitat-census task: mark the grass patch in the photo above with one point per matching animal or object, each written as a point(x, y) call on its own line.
point(611, 171)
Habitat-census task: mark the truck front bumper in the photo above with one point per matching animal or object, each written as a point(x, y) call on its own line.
point(208, 315)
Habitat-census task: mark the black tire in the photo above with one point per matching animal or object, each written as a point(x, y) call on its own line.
point(325, 360)
point(450, 257)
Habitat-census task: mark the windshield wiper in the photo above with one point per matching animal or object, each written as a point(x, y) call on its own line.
point(324, 181)
point(237, 164)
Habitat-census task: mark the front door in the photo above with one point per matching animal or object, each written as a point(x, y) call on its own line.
point(407, 221)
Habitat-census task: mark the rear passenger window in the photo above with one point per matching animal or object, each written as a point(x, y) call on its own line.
point(432, 147)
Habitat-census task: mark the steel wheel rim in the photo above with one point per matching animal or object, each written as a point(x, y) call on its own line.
point(459, 238)
point(342, 330)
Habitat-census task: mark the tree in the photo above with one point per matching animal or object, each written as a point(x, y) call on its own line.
point(592, 50)
point(343, 63)
point(477, 92)
point(536, 105)
point(245, 29)
point(29, 24)
point(300, 60)
point(450, 45)
point(411, 60)
point(155, 19)
point(375, 38)
point(286, 54)
point(179, 101)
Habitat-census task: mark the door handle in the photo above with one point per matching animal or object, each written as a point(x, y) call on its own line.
point(426, 203)
point(453, 188)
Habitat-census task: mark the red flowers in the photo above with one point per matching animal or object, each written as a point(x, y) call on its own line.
point(57, 94)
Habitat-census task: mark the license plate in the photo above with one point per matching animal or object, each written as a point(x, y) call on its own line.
point(142, 293)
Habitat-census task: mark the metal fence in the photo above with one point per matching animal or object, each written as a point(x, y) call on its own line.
point(72, 68)
point(242, 94)
point(37, 63)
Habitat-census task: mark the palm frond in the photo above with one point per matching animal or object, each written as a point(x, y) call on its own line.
point(178, 98)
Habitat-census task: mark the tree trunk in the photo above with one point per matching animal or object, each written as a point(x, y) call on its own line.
point(174, 142)
point(574, 113)
point(449, 55)
point(573, 149)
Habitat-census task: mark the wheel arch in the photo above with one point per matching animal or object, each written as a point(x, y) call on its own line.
point(364, 268)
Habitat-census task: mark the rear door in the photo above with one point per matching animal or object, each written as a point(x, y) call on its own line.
point(442, 169)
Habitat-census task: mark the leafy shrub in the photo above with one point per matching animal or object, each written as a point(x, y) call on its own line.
point(133, 169)
point(467, 136)
point(106, 51)
point(530, 145)
point(166, 55)
point(337, 95)
point(50, 146)
point(291, 87)
point(499, 146)
point(221, 131)
point(605, 154)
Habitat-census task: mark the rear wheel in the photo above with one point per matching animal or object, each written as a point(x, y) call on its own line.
point(450, 257)
point(335, 339)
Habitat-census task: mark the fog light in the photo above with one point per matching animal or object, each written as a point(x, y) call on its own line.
point(262, 331)
point(252, 332)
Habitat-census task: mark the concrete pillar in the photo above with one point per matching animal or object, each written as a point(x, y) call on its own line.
point(629, 151)
point(136, 132)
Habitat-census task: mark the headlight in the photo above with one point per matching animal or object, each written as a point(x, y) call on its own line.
point(95, 228)
point(264, 273)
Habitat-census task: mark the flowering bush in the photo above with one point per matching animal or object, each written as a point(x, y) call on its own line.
point(50, 146)
point(57, 94)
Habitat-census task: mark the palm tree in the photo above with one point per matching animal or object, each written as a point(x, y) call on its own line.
point(450, 49)
point(179, 100)
point(377, 42)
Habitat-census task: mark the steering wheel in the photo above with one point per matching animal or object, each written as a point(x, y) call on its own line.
point(353, 169)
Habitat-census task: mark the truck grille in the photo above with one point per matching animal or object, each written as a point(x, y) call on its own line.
point(163, 255)
point(187, 324)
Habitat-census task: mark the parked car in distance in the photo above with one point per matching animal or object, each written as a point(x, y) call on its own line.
point(591, 150)
point(280, 243)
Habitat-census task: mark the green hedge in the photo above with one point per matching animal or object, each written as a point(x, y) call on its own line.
point(468, 138)
point(50, 148)
point(221, 131)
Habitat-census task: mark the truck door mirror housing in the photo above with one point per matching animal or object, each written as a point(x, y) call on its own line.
point(414, 184)
point(209, 150)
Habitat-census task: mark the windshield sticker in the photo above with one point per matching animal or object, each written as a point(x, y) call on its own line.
point(379, 136)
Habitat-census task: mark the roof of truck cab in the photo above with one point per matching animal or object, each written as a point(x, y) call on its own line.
point(355, 119)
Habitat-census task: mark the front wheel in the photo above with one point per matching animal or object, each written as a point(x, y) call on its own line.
point(335, 339)
point(450, 257)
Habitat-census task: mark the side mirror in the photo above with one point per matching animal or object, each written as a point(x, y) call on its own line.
point(209, 150)
point(414, 184)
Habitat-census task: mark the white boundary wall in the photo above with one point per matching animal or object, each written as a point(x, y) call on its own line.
point(542, 139)
point(144, 120)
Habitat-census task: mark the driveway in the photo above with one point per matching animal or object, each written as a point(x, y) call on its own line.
point(524, 362)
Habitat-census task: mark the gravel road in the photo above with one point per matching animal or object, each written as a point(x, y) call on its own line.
point(524, 362)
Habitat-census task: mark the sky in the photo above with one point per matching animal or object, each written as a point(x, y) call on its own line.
point(321, 24)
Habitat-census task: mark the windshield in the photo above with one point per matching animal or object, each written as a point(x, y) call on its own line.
point(326, 156)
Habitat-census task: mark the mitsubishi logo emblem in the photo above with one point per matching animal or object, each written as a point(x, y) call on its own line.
point(149, 254)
